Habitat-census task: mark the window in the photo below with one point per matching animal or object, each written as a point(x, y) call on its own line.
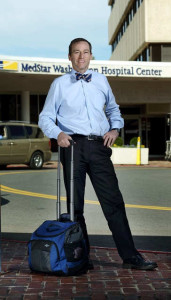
point(34, 108)
point(34, 132)
point(36, 105)
point(3, 132)
point(130, 15)
point(113, 2)
point(10, 107)
point(144, 55)
point(17, 132)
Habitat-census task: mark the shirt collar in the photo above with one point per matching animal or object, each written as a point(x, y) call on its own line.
point(74, 71)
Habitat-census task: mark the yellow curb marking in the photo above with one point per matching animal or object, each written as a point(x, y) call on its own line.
point(21, 172)
point(31, 194)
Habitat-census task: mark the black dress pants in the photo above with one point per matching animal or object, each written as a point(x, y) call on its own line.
point(92, 157)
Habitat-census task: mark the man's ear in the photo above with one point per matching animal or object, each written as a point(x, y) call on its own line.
point(69, 57)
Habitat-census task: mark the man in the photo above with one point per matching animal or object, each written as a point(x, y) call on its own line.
point(85, 108)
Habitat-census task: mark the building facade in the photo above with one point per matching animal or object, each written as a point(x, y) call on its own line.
point(142, 89)
point(139, 72)
point(139, 30)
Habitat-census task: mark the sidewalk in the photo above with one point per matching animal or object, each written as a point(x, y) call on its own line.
point(152, 163)
point(107, 281)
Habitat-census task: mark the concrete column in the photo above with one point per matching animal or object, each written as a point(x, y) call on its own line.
point(25, 106)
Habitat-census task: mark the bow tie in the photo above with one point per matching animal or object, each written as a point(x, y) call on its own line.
point(86, 77)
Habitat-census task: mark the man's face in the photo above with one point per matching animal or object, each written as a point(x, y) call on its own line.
point(80, 56)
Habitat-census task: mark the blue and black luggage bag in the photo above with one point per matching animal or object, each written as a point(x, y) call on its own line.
point(58, 246)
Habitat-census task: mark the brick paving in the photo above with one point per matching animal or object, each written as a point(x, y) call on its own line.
point(107, 281)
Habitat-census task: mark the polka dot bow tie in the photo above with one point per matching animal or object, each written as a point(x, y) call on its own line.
point(86, 77)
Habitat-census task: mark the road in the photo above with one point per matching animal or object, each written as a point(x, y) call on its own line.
point(29, 198)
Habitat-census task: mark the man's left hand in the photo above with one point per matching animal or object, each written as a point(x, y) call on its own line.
point(110, 137)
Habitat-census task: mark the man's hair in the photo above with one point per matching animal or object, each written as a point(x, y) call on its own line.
point(77, 41)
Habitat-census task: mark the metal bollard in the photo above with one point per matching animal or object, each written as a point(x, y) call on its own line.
point(138, 161)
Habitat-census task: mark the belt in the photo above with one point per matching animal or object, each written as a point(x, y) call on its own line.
point(90, 137)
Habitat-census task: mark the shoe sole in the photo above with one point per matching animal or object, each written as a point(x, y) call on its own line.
point(145, 268)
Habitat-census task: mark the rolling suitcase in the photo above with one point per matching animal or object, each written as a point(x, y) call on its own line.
point(58, 246)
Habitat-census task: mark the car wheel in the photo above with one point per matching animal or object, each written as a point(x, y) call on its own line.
point(36, 161)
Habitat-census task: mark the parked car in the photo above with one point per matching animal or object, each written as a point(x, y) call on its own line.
point(23, 143)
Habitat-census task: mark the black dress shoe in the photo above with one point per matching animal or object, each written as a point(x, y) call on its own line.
point(139, 263)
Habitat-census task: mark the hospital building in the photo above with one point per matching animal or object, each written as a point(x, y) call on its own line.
point(138, 70)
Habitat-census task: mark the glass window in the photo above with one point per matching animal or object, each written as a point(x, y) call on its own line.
point(144, 55)
point(148, 53)
point(7, 107)
point(34, 108)
point(17, 132)
point(18, 108)
point(135, 6)
point(42, 99)
point(3, 132)
point(129, 17)
point(34, 132)
point(131, 130)
point(131, 110)
point(113, 2)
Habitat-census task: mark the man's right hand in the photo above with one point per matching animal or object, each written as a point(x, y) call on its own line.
point(63, 139)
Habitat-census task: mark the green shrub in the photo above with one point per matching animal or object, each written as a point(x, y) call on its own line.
point(118, 142)
point(133, 141)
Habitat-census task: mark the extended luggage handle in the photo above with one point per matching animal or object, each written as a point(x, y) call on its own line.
point(58, 207)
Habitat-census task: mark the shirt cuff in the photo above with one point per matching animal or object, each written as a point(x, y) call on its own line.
point(55, 132)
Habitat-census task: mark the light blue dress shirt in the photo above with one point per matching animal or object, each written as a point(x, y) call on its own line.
point(80, 107)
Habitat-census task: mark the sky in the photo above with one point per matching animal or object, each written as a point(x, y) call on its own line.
point(44, 28)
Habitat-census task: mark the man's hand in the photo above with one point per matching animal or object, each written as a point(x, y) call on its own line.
point(110, 137)
point(63, 139)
